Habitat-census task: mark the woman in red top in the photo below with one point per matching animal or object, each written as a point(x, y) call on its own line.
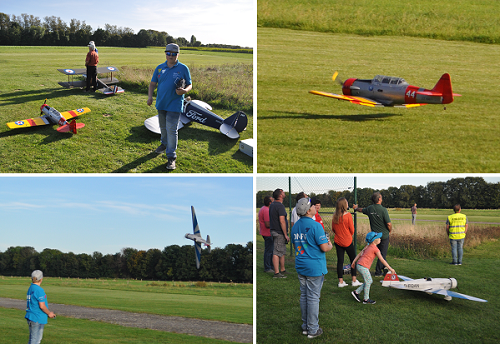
point(343, 228)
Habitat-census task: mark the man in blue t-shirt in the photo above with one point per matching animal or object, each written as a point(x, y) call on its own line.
point(37, 311)
point(173, 80)
point(311, 243)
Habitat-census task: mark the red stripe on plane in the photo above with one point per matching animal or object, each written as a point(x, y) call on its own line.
point(72, 113)
point(31, 122)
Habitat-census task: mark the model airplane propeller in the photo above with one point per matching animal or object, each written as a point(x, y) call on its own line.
point(198, 111)
point(391, 91)
point(198, 240)
point(440, 286)
point(49, 115)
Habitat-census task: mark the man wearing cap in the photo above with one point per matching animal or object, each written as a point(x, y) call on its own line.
point(311, 243)
point(173, 80)
point(37, 311)
point(91, 62)
point(380, 222)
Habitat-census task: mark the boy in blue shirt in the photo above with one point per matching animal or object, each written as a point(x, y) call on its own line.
point(311, 243)
point(37, 311)
point(168, 76)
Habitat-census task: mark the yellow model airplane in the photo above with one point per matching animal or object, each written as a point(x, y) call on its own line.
point(52, 116)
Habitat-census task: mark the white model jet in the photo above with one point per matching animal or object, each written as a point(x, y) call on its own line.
point(439, 286)
point(198, 240)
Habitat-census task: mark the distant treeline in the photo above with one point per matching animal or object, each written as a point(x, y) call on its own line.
point(30, 30)
point(232, 263)
point(469, 192)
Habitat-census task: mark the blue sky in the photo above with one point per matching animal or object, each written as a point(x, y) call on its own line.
point(83, 214)
point(231, 22)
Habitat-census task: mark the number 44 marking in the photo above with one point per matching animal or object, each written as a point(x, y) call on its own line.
point(410, 94)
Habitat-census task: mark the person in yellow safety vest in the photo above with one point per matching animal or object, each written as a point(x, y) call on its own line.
point(456, 228)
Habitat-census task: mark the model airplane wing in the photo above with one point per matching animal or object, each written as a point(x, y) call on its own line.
point(31, 122)
point(197, 245)
point(74, 113)
point(361, 100)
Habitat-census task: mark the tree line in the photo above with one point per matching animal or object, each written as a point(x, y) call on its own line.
point(469, 192)
point(53, 31)
point(232, 263)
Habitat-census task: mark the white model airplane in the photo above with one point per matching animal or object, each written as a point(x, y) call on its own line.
point(439, 286)
point(198, 240)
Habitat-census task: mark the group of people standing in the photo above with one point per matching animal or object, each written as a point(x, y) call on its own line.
point(311, 242)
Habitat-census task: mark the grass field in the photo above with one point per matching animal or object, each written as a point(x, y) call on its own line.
point(217, 301)
point(301, 132)
point(68, 330)
point(114, 139)
point(398, 316)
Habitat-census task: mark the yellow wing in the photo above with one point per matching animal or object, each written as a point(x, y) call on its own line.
point(361, 100)
point(31, 122)
point(73, 113)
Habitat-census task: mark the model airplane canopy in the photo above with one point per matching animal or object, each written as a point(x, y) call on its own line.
point(102, 83)
point(198, 240)
point(52, 116)
point(440, 286)
point(391, 91)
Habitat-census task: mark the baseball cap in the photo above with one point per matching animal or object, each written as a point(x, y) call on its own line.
point(303, 205)
point(372, 236)
point(37, 274)
point(172, 47)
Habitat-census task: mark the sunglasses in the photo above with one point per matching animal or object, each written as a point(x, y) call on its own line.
point(170, 54)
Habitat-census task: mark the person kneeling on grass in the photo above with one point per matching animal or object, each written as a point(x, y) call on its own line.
point(366, 257)
point(37, 310)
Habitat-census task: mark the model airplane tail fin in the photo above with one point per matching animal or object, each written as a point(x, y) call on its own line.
point(234, 125)
point(389, 278)
point(209, 244)
point(443, 87)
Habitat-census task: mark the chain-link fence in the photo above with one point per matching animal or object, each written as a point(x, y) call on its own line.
point(327, 189)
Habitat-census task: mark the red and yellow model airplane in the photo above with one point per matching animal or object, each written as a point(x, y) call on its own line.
point(391, 91)
point(49, 115)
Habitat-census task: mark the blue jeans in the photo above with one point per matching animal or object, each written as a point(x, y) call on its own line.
point(457, 250)
point(169, 121)
point(36, 332)
point(268, 253)
point(310, 290)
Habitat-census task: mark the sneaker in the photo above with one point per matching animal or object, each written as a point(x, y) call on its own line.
point(453, 263)
point(356, 284)
point(318, 333)
point(343, 284)
point(161, 148)
point(171, 164)
point(368, 302)
point(356, 296)
point(304, 332)
point(278, 275)
point(284, 272)
point(379, 275)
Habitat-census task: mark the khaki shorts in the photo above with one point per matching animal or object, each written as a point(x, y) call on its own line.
point(279, 244)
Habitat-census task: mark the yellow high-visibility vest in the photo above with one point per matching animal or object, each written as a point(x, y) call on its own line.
point(457, 223)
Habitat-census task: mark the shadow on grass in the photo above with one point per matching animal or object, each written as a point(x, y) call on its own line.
point(305, 115)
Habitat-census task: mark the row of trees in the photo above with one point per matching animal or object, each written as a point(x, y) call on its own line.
point(469, 192)
point(30, 30)
point(232, 263)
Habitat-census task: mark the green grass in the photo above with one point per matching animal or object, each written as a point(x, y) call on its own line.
point(398, 316)
point(69, 330)
point(462, 20)
point(114, 139)
point(301, 132)
point(222, 302)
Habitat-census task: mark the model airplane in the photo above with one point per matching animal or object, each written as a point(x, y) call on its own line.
point(52, 116)
point(198, 240)
point(391, 91)
point(439, 286)
point(198, 111)
point(102, 83)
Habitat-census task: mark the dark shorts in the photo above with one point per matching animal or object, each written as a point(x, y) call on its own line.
point(279, 244)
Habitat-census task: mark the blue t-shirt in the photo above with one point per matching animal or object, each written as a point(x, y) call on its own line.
point(165, 77)
point(35, 295)
point(307, 235)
